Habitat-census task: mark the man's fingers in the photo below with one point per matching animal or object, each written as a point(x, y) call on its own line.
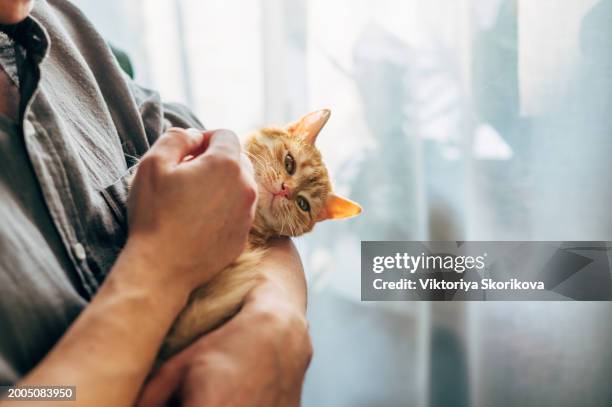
point(158, 391)
point(205, 143)
point(223, 143)
point(176, 144)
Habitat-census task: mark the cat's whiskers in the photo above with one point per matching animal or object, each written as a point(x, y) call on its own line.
point(262, 164)
point(287, 213)
point(281, 217)
point(293, 229)
point(287, 220)
point(261, 161)
point(282, 227)
point(252, 155)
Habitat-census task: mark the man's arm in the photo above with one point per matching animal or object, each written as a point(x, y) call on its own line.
point(110, 348)
point(259, 358)
point(182, 231)
point(282, 268)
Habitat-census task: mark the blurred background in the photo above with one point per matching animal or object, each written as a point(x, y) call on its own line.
point(451, 120)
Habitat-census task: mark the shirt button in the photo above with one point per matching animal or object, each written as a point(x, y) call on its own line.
point(79, 251)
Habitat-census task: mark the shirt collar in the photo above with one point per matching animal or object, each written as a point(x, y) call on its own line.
point(31, 35)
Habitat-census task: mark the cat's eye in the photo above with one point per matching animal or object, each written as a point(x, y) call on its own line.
point(289, 164)
point(303, 203)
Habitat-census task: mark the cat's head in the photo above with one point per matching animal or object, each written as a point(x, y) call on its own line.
point(294, 187)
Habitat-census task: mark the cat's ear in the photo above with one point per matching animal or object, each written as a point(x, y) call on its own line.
point(337, 207)
point(309, 126)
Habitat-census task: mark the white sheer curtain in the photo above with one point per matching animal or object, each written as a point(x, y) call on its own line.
point(452, 119)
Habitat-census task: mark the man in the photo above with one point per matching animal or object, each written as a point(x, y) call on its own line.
point(85, 303)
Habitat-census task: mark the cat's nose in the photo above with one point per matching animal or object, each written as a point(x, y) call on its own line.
point(284, 190)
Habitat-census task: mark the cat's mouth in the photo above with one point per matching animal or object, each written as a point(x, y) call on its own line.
point(272, 196)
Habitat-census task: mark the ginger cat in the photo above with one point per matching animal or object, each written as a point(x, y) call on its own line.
point(294, 193)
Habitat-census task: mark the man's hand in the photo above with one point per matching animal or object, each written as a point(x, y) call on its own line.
point(190, 213)
point(258, 358)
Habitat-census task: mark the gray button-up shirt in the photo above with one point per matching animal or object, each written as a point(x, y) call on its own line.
point(62, 180)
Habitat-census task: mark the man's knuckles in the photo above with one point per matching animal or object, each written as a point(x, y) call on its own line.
point(223, 164)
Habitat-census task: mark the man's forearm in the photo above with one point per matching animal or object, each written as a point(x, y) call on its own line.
point(108, 351)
